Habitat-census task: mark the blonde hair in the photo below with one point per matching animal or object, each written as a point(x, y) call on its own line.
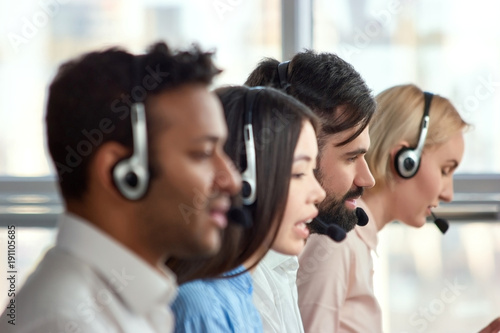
point(398, 118)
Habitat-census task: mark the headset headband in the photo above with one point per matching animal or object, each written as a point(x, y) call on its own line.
point(424, 127)
point(249, 175)
point(131, 175)
point(407, 159)
point(283, 75)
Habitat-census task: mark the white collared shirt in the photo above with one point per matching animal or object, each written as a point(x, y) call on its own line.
point(275, 293)
point(89, 282)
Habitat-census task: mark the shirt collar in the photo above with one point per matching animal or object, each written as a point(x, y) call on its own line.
point(368, 233)
point(276, 260)
point(140, 286)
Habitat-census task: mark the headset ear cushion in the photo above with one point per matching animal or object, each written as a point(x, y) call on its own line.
point(406, 163)
point(131, 179)
point(246, 189)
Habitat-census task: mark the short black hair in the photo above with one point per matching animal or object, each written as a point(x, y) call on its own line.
point(325, 83)
point(90, 98)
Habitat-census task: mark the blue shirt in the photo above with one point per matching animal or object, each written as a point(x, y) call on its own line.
point(217, 305)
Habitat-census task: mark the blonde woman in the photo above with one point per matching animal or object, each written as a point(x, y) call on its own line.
point(408, 190)
point(416, 145)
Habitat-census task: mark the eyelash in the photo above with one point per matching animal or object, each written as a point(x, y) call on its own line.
point(446, 172)
point(203, 154)
point(298, 175)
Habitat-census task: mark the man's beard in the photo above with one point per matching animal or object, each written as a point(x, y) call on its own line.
point(333, 211)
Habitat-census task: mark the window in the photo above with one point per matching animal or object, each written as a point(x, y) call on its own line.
point(427, 282)
point(425, 42)
point(41, 35)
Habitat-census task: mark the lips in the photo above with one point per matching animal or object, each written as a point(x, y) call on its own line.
point(352, 202)
point(301, 226)
point(301, 229)
point(429, 210)
point(309, 218)
point(303, 222)
point(218, 211)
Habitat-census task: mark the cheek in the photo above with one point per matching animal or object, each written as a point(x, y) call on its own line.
point(191, 177)
point(429, 182)
point(336, 181)
point(292, 203)
point(292, 209)
point(184, 186)
point(285, 236)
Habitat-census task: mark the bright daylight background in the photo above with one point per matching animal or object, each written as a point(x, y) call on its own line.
point(451, 48)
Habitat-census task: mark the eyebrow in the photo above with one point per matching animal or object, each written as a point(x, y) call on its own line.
point(302, 157)
point(155, 126)
point(210, 138)
point(360, 151)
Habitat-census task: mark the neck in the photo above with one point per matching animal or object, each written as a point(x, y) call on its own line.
point(119, 224)
point(380, 207)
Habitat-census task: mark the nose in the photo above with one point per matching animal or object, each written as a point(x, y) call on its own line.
point(364, 177)
point(446, 194)
point(318, 194)
point(227, 178)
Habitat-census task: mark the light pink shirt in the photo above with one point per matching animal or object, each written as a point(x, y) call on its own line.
point(335, 283)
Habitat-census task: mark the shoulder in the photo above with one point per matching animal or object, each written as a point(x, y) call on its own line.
point(275, 274)
point(261, 277)
point(64, 283)
point(199, 293)
point(217, 305)
point(322, 248)
point(323, 258)
point(60, 279)
point(197, 298)
point(264, 287)
point(198, 308)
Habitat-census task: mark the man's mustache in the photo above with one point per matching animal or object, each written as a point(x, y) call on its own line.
point(354, 193)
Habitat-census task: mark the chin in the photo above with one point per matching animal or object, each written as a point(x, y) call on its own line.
point(206, 247)
point(213, 247)
point(421, 224)
point(294, 250)
point(417, 223)
point(297, 249)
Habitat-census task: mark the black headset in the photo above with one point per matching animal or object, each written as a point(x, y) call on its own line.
point(407, 160)
point(131, 175)
point(249, 175)
point(283, 75)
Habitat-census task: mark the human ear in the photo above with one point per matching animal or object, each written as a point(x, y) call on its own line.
point(397, 150)
point(101, 167)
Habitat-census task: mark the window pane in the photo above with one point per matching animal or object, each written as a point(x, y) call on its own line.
point(30, 246)
point(427, 282)
point(43, 34)
point(447, 47)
